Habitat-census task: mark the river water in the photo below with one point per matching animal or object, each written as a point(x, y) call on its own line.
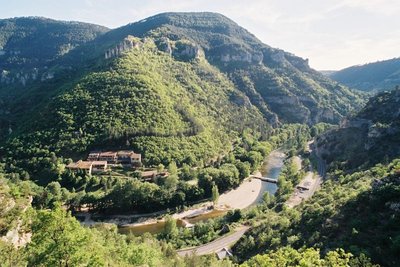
point(271, 168)
point(157, 227)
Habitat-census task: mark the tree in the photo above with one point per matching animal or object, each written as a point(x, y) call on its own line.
point(214, 194)
point(267, 198)
point(170, 228)
point(59, 240)
point(54, 188)
point(172, 168)
point(160, 167)
point(171, 182)
point(243, 168)
point(10, 256)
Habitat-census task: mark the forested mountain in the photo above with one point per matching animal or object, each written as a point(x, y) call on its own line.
point(272, 78)
point(357, 207)
point(371, 136)
point(195, 53)
point(377, 76)
point(204, 102)
point(29, 45)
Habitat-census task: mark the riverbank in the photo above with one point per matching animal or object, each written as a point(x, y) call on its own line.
point(249, 192)
point(243, 196)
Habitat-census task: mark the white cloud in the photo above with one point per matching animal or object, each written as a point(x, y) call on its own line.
point(385, 7)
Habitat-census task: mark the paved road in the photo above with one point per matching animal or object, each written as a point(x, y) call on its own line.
point(230, 239)
point(321, 165)
point(311, 180)
point(216, 245)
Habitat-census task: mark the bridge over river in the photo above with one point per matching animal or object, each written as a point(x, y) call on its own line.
point(265, 179)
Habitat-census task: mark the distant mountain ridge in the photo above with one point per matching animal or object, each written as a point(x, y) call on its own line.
point(28, 45)
point(376, 76)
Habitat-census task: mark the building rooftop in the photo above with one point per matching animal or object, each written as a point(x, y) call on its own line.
point(99, 162)
point(80, 165)
point(149, 173)
point(108, 153)
point(223, 253)
point(127, 153)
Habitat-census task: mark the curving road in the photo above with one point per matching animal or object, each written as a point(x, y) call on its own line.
point(228, 240)
point(216, 245)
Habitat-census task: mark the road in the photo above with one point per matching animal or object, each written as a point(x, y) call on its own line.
point(216, 245)
point(321, 165)
point(311, 180)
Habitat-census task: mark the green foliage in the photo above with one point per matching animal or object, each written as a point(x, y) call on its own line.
point(58, 239)
point(310, 257)
point(287, 180)
point(214, 194)
point(170, 228)
point(368, 137)
point(372, 77)
point(356, 212)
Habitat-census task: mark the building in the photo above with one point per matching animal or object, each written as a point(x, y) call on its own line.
point(129, 158)
point(99, 166)
point(124, 157)
point(93, 156)
point(86, 166)
point(109, 156)
point(150, 176)
point(224, 253)
point(136, 158)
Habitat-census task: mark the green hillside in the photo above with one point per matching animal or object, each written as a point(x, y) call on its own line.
point(281, 85)
point(272, 78)
point(33, 42)
point(357, 207)
point(377, 76)
point(369, 137)
point(167, 109)
point(29, 49)
point(224, 78)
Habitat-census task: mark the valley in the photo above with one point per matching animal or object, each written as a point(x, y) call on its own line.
point(184, 140)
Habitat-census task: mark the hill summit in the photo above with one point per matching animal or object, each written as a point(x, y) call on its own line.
point(172, 78)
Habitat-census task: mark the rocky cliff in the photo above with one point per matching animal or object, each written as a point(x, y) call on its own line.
point(370, 136)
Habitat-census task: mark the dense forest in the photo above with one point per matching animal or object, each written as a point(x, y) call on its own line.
point(372, 77)
point(206, 102)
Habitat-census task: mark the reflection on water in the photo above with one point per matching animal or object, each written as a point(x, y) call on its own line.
point(152, 228)
point(206, 216)
point(158, 227)
point(271, 168)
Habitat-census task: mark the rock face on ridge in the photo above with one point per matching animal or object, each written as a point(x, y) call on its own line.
point(279, 84)
point(369, 137)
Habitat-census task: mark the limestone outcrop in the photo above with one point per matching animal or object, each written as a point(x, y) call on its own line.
point(128, 43)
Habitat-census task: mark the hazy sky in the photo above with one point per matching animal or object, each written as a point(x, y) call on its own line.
point(332, 34)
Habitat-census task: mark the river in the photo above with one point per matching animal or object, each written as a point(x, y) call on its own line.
point(271, 168)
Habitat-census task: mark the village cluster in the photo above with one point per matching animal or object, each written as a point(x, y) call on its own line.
point(100, 162)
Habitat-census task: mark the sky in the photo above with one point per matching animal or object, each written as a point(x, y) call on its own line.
point(332, 34)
